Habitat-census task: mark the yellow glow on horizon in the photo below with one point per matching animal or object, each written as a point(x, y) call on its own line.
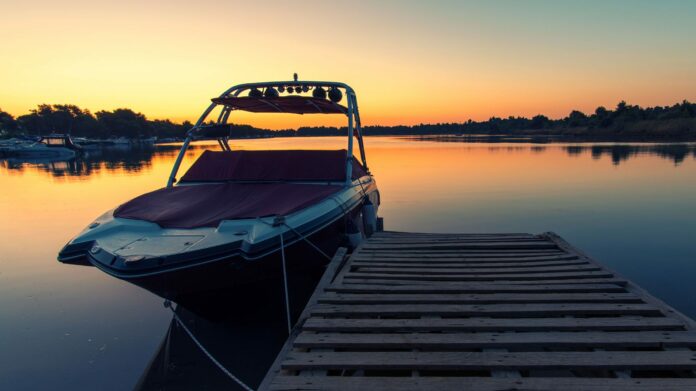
point(409, 63)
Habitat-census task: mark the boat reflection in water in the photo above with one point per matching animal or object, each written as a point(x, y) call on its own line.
point(243, 331)
point(137, 157)
point(133, 158)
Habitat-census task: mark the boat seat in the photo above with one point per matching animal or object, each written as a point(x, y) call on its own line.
point(272, 166)
point(206, 205)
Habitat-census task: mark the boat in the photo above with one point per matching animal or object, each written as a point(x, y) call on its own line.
point(234, 214)
point(147, 141)
point(87, 144)
point(53, 146)
point(11, 144)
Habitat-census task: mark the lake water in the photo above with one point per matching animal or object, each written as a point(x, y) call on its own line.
point(631, 206)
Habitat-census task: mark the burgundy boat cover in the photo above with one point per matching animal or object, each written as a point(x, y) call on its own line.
point(282, 165)
point(283, 104)
point(206, 205)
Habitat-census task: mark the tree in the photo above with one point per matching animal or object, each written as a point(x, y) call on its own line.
point(621, 107)
point(68, 119)
point(576, 118)
point(686, 109)
point(539, 122)
point(602, 118)
point(7, 122)
point(124, 123)
point(494, 124)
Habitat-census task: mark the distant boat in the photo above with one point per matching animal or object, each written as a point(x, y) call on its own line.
point(8, 146)
point(53, 146)
point(119, 141)
point(88, 144)
point(230, 216)
point(148, 141)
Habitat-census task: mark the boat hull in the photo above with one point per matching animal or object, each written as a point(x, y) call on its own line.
point(218, 272)
point(231, 274)
point(193, 265)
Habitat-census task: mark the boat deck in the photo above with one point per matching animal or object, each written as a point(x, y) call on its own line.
point(413, 311)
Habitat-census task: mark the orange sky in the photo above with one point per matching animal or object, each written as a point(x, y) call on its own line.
point(409, 62)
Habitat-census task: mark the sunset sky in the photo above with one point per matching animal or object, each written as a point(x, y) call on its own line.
point(410, 62)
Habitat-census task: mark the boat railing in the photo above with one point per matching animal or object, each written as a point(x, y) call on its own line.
point(221, 130)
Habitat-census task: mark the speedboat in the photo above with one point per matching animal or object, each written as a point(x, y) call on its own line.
point(230, 218)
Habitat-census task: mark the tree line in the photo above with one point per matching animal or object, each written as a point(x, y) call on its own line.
point(676, 121)
point(79, 122)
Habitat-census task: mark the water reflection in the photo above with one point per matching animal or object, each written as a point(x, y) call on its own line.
point(677, 153)
point(135, 159)
point(637, 217)
point(243, 331)
point(127, 158)
point(244, 345)
point(618, 152)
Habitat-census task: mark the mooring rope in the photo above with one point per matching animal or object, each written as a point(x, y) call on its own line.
point(362, 188)
point(285, 284)
point(308, 241)
point(168, 304)
point(280, 221)
point(285, 271)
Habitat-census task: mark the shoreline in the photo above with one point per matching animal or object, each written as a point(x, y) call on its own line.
point(444, 137)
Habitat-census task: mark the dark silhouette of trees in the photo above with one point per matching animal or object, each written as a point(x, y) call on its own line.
point(60, 119)
point(8, 124)
point(575, 118)
point(125, 123)
point(625, 121)
point(601, 117)
point(539, 122)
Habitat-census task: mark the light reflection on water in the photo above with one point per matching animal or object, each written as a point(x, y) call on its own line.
point(136, 159)
point(629, 205)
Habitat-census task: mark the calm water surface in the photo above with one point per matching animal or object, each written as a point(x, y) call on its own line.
point(631, 206)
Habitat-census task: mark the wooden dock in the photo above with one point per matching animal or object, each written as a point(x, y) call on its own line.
point(410, 311)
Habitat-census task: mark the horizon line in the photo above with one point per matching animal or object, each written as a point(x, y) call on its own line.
point(463, 122)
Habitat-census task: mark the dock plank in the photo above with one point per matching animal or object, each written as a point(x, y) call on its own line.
point(457, 271)
point(425, 253)
point(564, 281)
point(621, 323)
point(462, 246)
point(466, 264)
point(653, 360)
point(485, 276)
point(493, 298)
point(520, 310)
point(454, 341)
point(470, 383)
point(462, 258)
point(435, 235)
point(474, 287)
point(449, 239)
